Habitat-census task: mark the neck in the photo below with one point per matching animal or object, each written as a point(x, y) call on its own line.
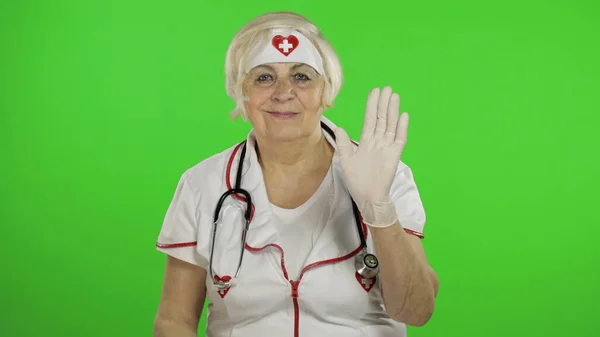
point(295, 159)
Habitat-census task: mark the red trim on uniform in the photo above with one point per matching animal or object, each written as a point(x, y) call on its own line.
point(410, 231)
point(175, 245)
point(293, 283)
point(330, 261)
point(256, 250)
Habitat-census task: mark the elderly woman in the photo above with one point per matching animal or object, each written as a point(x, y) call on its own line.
point(297, 230)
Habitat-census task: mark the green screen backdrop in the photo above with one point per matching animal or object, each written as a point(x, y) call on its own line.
point(104, 104)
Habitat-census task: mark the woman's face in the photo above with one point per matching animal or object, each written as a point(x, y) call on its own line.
point(284, 100)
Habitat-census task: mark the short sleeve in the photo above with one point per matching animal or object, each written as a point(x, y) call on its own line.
point(405, 195)
point(179, 232)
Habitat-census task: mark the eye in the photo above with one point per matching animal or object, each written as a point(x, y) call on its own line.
point(301, 77)
point(264, 78)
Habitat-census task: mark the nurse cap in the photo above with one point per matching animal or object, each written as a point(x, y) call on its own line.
point(285, 45)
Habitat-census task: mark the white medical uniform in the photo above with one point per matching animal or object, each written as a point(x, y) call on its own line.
point(297, 277)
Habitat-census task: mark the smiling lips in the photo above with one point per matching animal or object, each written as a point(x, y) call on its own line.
point(282, 114)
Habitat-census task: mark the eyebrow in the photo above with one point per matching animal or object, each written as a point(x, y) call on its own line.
point(295, 66)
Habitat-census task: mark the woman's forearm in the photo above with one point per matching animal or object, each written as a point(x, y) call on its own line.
point(169, 328)
point(409, 284)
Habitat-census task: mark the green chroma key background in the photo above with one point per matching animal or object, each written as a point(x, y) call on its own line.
point(105, 104)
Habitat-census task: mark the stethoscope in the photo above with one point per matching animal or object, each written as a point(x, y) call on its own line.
point(365, 263)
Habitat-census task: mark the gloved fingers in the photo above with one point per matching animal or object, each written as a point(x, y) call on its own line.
point(370, 115)
point(392, 123)
point(382, 111)
point(402, 129)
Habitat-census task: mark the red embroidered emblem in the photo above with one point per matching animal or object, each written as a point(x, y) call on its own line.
point(285, 45)
point(366, 283)
point(223, 292)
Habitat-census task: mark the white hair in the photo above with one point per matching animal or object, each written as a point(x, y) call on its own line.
point(256, 31)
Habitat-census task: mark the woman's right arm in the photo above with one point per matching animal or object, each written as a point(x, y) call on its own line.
point(181, 301)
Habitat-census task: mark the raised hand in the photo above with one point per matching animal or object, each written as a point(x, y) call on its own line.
point(370, 170)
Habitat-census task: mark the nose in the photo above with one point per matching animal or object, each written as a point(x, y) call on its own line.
point(284, 91)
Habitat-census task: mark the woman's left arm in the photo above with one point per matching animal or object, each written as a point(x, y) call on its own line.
point(409, 284)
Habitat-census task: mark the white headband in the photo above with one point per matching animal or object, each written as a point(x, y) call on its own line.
point(286, 45)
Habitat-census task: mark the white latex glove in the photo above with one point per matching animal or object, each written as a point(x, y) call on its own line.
point(370, 171)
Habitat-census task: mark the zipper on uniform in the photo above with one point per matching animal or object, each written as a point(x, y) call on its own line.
point(294, 288)
point(296, 309)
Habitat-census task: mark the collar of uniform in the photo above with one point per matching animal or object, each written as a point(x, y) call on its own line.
point(261, 231)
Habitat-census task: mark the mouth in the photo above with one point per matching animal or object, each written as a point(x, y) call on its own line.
point(283, 113)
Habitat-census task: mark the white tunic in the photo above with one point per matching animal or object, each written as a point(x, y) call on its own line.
point(297, 276)
point(300, 227)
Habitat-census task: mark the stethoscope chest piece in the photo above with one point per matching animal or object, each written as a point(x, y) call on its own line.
point(366, 265)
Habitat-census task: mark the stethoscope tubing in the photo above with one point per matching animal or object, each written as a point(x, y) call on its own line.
point(248, 213)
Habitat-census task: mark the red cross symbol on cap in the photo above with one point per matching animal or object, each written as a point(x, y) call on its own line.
point(285, 45)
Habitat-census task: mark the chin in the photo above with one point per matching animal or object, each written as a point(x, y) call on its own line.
point(282, 129)
point(285, 135)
